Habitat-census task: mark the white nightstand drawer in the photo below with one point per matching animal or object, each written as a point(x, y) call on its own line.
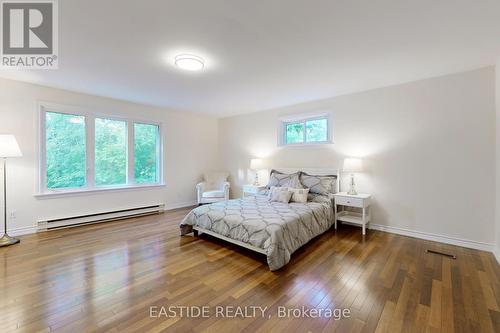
point(361, 200)
point(347, 201)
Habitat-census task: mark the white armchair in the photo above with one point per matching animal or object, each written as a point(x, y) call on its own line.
point(214, 188)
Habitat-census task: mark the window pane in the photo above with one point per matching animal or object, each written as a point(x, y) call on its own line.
point(65, 150)
point(146, 153)
point(110, 152)
point(294, 133)
point(317, 130)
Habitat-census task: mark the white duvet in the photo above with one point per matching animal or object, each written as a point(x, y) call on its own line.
point(278, 228)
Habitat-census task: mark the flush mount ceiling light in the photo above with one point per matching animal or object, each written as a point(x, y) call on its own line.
point(189, 62)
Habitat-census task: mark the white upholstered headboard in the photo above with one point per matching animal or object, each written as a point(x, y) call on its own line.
point(314, 171)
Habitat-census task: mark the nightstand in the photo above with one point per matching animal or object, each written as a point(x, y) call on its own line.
point(361, 201)
point(252, 189)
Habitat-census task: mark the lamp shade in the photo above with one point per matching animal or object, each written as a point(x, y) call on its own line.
point(9, 146)
point(256, 164)
point(353, 165)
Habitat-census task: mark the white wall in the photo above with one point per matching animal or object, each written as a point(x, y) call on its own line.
point(429, 147)
point(190, 148)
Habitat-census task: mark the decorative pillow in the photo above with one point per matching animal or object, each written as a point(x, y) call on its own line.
point(280, 179)
point(319, 184)
point(275, 189)
point(280, 194)
point(299, 194)
point(313, 197)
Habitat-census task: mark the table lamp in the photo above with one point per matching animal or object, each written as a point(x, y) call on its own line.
point(8, 148)
point(352, 165)
point(256, 164)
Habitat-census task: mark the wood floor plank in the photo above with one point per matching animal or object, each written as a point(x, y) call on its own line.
point(384, 323)
point(435, 317)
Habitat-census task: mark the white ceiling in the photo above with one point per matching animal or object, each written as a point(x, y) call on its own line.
point(263, 54)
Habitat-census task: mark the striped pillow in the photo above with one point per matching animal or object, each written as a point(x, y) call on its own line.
point(280, 179)
point(319, 184)
point(280, 194)
point(299, 194)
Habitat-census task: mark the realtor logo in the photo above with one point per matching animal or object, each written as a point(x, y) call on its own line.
point(29, 34)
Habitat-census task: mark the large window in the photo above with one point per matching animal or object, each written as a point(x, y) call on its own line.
point(66, 146)
point(110, 152)
point(83, 151)
point(146, 153)
point(305, 130)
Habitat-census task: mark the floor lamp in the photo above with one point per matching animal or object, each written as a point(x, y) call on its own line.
point(8, 148)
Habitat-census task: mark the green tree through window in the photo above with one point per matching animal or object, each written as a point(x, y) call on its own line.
point(114, 152)
point(306, 131)
point(294, 133)
point(317, 130)
point(65, 150)
point(110, 152)
point(146, 153)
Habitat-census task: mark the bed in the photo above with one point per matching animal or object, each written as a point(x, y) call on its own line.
point(274, 229)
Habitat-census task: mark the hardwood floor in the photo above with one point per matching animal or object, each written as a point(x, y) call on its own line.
point(105, 278)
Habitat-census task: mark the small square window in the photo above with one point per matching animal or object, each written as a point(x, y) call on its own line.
point(317, 130)
point(310, 130)
point(294, 133)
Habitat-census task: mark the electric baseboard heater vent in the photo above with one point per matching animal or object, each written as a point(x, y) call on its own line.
point(452, 256)
point(73, 221)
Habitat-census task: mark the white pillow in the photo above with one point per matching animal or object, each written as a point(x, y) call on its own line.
point(275, 189)
point(299, 194)
point(280, 194)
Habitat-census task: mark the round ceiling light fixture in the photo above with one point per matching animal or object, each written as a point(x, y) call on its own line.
point(189, 62)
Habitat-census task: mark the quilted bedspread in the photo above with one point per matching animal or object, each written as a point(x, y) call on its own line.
point(278, 228)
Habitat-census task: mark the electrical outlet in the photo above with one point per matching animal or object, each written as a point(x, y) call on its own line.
point(13, 214)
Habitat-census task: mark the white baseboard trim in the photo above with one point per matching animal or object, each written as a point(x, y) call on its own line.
point(435, 237)
point(33, 229)
point(21, 231)
point(497, 253)
point(181, 205)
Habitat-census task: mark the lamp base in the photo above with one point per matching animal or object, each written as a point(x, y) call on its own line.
point(256, 180)
point(352, 192)
point(6, 240)
point(352, 189)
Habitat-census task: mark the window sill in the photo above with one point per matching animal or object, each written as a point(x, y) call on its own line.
point(80, 192)
point(306, 144)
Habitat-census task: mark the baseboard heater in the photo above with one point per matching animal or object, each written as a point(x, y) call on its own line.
point(73, 221)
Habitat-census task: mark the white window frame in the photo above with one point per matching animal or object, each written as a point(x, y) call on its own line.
point(90, 116)
point(304, 118)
